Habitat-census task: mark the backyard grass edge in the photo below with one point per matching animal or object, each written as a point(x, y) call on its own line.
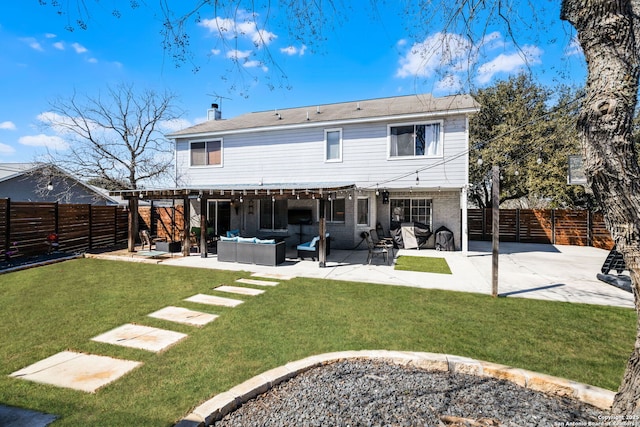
point(222, 404)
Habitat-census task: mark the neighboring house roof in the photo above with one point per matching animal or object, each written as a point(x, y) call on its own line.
point(400, 107)
point(10, 171)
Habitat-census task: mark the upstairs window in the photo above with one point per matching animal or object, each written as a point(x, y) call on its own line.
point(206, 153)
point(415, 140)
point(333, 145)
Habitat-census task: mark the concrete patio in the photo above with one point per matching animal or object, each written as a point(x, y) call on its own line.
point(539, 271)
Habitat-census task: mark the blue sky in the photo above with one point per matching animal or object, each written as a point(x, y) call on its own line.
point(365, 55)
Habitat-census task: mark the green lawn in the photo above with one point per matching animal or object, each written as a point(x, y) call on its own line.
point(423, 264)
point(60, 307)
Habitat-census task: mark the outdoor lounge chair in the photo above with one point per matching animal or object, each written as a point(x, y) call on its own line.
point(310, 249)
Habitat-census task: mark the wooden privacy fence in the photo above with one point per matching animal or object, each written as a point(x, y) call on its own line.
point(556, 226)
point(80, 227)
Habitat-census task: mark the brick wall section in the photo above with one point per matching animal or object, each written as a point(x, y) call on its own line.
point(164, 222)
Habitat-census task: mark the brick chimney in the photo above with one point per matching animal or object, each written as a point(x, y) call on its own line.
point(214, 113)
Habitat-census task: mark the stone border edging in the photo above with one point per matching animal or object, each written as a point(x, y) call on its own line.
point(220, 405)
point(130, 258)
point(40, 263)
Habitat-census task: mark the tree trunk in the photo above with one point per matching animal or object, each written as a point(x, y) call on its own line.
point(606, 31)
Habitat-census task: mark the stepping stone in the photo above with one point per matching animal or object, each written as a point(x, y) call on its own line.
point(213, 300)
point(11, 416)
point(184, 315)
point(142, 337)
point(273, 276)
point(239, 290)
point(257, 282)
point(79, 371)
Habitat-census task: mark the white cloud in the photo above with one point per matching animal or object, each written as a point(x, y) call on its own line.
point(509, 63)
point(174, 125)
point(50, 36)
point(238, 54)
point(50, 141)
point(492, 41)
point(255, 64)
point(436, 51)
point(451, 83)
point(455, 54)
point(6, 149)
point(8, 125)
point(292, 50)
point(50, 117)
point(61, 124)
point(247, 35)
point(243, 26)
point(574, 47)
point(59, 45)
point(79, 48)
point(92, 60)
point(33, 43)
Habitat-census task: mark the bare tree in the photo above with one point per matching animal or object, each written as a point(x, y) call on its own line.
point(609, 35)
point(114, 139)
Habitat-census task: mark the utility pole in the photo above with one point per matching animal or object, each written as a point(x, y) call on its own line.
point(495, 227)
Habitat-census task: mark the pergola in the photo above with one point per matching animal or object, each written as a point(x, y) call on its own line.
point(234, 192)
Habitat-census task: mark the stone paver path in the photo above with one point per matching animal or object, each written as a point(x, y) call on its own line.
point(79, 371)
point(184, 315)
point(257, 282)
point(276, 276)
point(88, 372)
point(239, 290)
point(142, 337)
point(214, 300)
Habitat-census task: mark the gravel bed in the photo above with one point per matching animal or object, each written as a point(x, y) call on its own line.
point(376, 393)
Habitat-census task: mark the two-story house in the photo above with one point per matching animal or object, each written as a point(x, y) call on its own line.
point(370, 161)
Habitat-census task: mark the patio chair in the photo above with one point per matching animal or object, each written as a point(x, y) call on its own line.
point(385, 242)
point(52, 242)
point(12, 252)
point(310, 248)
point(145, 239)
point(380, 241)
point(376, 249)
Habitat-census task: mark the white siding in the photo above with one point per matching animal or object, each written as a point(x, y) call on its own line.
point(298, 156)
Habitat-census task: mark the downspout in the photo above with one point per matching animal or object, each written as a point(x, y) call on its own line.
point(175, 162)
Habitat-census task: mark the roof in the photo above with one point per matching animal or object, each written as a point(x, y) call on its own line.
point(12, 170)
point(410, 106)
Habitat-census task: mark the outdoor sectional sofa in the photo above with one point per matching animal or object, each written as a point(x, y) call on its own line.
point(251, 250)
